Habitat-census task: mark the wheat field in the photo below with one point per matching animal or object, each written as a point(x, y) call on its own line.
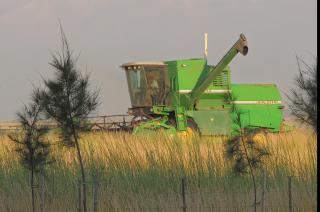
point(137, 173)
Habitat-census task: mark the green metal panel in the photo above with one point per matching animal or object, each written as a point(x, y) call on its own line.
point(186, 71)
point(255, 92)
point(264, 116)
point(212, 122)
point(181, 118)
point(222, 80)
point(173, 79)
point(211, 102)
point(183, 75)
point(260, 104)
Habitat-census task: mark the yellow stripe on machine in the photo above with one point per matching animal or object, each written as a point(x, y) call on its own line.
point(206, 91)
point(260, 102)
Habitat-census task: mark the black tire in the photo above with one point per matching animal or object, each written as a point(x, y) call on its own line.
point(191, 124)
point(259, 134)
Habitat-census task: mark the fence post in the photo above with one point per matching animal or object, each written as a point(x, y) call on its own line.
point(95, 192)
point(184, 206)
point(104, 122)
point(290, 193)
point(53, 188)
point(42, 192)
point(79, 196)
point(264, 189)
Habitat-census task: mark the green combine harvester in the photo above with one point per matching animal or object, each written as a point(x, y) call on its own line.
point(191, 96)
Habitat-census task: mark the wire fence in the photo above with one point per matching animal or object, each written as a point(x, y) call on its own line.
point(190, 199)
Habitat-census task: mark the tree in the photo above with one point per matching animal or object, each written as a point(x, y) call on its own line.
point(32, 147)
point(243, 150)
point(303, 98)
point(68, 100)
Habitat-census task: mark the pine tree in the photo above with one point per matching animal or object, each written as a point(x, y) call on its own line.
point(243, 150)
point(303, 98)
point(32, 147)
point(68, 100)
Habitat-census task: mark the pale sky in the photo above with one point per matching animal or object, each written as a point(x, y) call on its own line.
point(108, 33)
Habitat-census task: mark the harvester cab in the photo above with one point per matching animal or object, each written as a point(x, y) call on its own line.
point(148, 83)
point(190, 95)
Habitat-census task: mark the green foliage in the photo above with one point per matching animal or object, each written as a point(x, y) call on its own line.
point(33, 149)
point(244, 151)
point(303, 98)
point(241, 148)
point(67, 98)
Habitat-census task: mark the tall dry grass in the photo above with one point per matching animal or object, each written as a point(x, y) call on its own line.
point(139, 173)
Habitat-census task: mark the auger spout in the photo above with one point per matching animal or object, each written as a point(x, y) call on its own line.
point(206, 79)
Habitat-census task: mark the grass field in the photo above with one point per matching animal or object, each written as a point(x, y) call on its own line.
point(144, 174)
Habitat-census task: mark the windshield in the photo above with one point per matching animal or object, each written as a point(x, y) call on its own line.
point(148, 86)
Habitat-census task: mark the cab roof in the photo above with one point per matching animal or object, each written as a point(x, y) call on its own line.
point(144, 63)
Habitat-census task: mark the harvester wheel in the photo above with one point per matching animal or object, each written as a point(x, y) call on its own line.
point(192, 129)
point(259, 135)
